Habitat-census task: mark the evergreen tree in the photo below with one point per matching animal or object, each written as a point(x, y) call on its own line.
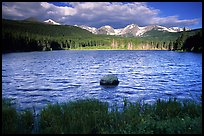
point(193, 43)
point(180, 40)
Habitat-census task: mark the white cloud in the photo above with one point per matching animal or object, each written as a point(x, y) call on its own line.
point(45, 5)
point(66, 11)
point(116, 14)
point(173, 21)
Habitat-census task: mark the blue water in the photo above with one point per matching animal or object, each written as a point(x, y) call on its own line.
point(38, 78)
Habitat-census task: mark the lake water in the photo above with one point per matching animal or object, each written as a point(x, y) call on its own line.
point(38, 78)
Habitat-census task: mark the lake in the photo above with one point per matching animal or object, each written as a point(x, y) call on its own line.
point(38, 78)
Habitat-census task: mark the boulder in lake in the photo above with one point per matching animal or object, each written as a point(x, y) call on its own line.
point(109, 80)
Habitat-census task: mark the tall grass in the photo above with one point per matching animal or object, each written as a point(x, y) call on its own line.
point(14, 122)
point(94, 117)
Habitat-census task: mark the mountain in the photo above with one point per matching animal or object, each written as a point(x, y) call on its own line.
point(32, 19)
point(52, 22)
point(36, 20)
point(90, 29)
point(132, 30)
point(106, 30)
point(23, 35)
point(166, 35)
point(44, 29)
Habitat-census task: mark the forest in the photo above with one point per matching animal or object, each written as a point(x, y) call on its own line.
point(23, 36)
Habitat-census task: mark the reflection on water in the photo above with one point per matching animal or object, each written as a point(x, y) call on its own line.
point(37, 78)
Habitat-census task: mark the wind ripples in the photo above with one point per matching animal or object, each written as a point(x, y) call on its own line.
point(59, 76)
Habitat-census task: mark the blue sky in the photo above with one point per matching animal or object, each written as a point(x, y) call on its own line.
point(185, 10)
point(115, 14)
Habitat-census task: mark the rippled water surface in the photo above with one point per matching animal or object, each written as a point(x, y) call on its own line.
point(38, 78)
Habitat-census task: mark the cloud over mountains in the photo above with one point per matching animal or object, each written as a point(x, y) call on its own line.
point(97, 14)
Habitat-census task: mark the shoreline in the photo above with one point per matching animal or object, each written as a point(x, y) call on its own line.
point(93, 117)
point(124, 49)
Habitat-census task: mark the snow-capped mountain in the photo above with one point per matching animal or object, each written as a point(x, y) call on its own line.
point(132, 29)
point(90, 29)
point(50, 21)
point(106, 30)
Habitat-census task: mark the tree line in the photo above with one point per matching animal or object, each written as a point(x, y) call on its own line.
point(189, 43)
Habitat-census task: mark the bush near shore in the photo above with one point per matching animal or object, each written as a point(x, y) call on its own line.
point(93, 116)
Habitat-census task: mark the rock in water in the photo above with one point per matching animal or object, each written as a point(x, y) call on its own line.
point(110, 80)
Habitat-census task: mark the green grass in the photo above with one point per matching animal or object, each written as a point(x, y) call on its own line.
point(14, 122)
point(92, 116)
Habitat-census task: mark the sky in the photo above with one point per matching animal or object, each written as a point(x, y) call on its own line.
point(115, 14)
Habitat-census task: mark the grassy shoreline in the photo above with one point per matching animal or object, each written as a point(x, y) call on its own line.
point(108, 48)
point(92, 116)
point(121, 49)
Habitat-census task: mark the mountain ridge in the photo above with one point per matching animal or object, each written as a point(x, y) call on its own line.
point(131, 29)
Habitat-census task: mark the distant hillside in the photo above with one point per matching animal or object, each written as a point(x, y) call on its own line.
point(165, 36)
point(43, 29)
point(34, 36)
point(32, 19)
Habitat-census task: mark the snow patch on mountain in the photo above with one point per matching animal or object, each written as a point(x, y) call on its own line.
point(52, 22)
point(90, 29)
point(118, 31)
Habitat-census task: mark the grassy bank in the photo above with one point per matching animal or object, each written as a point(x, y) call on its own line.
point(93, 116)
point(110, 48)
point(14, 122)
